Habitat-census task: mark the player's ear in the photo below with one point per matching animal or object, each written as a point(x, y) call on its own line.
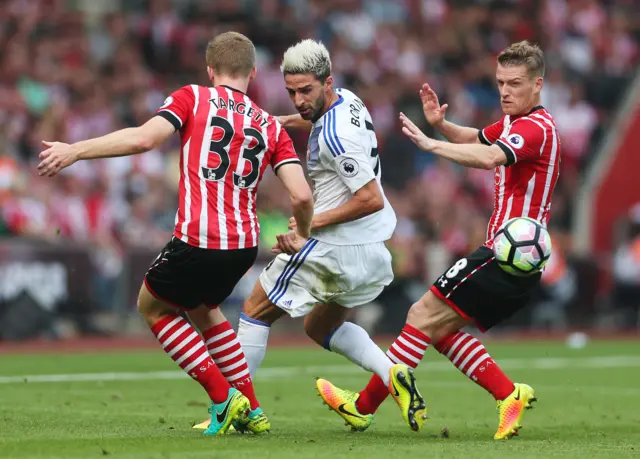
point(538, 84)
point(252, 75)
point(329, 81)
point(210, 73)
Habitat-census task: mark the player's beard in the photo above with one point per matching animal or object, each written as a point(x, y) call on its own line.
point(318, 106)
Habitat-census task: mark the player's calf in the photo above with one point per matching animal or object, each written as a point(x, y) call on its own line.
point(408, 348)
point(183, 344)
point(469, 356)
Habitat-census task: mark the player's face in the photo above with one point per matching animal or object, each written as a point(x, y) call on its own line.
point(308, 94)
point(519, 92)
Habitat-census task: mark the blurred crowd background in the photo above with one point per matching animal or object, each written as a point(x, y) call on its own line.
point(70, 70)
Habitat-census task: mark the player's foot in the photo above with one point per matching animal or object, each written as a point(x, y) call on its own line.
point(403, 389)
point(204, 425)
point(343, 402)
point(256, 422)
point(235, 407)
point(511, 410)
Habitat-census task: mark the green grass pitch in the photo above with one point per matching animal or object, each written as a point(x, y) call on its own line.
point(137, 405)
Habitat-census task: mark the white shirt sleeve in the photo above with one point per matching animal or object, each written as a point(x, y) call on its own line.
point(352, 164)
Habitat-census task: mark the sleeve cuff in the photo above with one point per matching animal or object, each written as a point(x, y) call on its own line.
point(283, 162)
point(171, 117)
point(511, 156)
point(482, 138)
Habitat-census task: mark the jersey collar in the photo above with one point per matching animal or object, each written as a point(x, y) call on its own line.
point(334, 105)
point(533, 110)
point(233, 89)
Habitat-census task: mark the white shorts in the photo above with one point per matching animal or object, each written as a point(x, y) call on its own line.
point(349, 275)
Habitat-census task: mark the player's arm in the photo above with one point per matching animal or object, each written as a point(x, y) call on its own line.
point(471, 154)
point(353, 167)
point(434, 113)
point(286, 166)
point(467, 154)
point(172, 116)
point(365, 201)
point(293, 179)
point(295, 122)
point(129, 141)
point(457, 134)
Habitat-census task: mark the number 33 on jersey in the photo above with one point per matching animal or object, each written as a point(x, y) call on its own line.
point(227, 142)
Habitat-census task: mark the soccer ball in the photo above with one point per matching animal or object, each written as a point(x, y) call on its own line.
point(522, 246)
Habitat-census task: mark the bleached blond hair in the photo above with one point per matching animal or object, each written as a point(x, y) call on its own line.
point(307, 56)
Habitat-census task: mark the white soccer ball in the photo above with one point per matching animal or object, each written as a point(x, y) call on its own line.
point(522, 246)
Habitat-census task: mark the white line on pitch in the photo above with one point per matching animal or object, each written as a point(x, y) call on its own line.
point(550, 363)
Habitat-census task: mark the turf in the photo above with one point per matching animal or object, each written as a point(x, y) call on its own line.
point(588, 407)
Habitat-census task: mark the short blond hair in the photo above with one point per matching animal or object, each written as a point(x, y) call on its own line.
point(231, 54)
point(524, 53)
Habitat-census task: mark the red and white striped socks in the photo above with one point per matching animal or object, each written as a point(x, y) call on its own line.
point(225, 350)
point(408, 348)
point(471, 358)
point(185, 346)
point(462, 349)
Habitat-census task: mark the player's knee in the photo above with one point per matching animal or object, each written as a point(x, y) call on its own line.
point(144, 305)
point(418, 316)
point(151, 308)
point(433, 317)
point(264, 311)
point(314, 330)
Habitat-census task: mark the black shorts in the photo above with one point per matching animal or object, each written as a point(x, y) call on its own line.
point(186, 277)
point(479, 290)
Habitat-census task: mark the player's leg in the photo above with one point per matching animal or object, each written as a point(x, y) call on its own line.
point(326, 325)
point(450, 305)
point(469, 356)
point(426, 318)
point(281, 282)
point(480, 291)
point(220, 274)
point(225, 349)
point(185, 346)
point(179, 278)
point(258, 314)
point(253, 334)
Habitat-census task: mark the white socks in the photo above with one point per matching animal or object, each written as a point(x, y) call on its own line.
point(253, 336)
point(349, 340)
point(353, 342)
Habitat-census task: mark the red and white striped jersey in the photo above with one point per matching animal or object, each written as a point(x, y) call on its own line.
point(227, 143)
point(524, 186)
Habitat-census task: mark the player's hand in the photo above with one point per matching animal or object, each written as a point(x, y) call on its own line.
point(415, 134)
point(290, 243)
point(56, 157)
point(284, 120)
point(294, 122)
point(433, 112)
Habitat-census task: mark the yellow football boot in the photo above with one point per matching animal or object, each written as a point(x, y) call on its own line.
point(511, 410)
point(343, 402)
point(403, 389)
